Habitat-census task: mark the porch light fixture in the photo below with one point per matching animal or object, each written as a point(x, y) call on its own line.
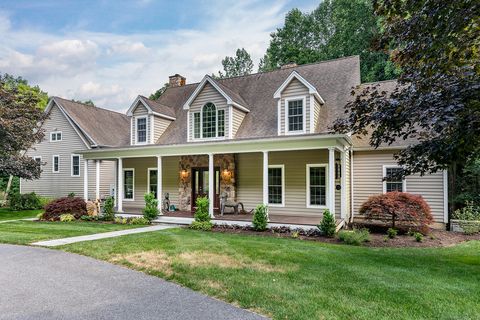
point(183, 174)
point(226, 175)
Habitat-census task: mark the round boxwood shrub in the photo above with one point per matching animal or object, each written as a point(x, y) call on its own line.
point(399, 209)
point(67, 205)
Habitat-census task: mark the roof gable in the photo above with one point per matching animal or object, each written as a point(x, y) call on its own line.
point(231, 96)
point(153, 107)
point(295, 75)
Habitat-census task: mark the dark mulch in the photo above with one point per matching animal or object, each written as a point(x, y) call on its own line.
point(436, 238)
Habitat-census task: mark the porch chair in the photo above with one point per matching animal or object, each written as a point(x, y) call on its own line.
point(225, 203)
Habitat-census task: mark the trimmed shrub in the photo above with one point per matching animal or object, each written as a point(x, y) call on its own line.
point(67, 217)
point(150, 212)
point(392, 233)
point(470, 212)
point(354, 237)
point(26, 201)
point(201, 213)
point(327, 225)
point(201, 225)
point(75, 206)
point(399, 208)
point(260, 218)
point(120, 220)
point(418, 236)
point(108, 213)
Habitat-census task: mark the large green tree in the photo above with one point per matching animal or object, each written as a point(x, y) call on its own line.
point(437, 99)
point(157, 94)
point(336, 28)
point(23, 88)
point(20, 115)
point(239, 65)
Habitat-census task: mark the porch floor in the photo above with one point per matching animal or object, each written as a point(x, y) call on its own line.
point(281, 219)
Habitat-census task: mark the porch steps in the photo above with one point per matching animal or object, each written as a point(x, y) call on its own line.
point(187, 221)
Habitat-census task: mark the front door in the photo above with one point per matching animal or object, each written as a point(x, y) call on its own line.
point(200, 186)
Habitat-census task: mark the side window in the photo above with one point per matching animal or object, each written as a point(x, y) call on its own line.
point(56, 164)
point(152, 181)
point(316, 185)
point(128, 184)
point(55, 136)
point(75, 165)
point(196, 125)
point(392, 183)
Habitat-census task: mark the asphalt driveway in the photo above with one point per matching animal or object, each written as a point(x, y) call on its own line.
point(38, 283)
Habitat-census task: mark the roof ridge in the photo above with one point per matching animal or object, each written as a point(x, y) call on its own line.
point(88, 106)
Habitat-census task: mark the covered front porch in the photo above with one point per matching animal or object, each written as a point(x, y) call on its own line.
point(298, 181)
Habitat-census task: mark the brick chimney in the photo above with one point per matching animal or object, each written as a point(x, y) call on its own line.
point(176, 80)
point(290, 64)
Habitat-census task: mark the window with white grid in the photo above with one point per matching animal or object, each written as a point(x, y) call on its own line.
point(392, 181)
point(295, 115)
point(209, 121)
point(141, 130)
point(317, 185)
point(275, 185)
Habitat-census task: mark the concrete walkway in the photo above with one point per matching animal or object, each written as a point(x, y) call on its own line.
point(104, 235)
point(39, 283)
point(25, 219)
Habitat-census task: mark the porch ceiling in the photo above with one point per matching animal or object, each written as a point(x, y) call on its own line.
point(227, 146)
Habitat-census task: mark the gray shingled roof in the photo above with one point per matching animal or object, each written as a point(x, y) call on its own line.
point(159, 108)
point(105, 127)
point(333, 80)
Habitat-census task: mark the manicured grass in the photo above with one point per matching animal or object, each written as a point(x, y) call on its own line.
point(25, 232)
point(6, 214)
point(294, 279)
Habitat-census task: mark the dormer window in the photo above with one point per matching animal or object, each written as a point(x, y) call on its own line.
point(141, 129)
point(295, 111)
point(209, 123)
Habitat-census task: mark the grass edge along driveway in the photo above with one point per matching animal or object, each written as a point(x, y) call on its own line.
point(294, 279)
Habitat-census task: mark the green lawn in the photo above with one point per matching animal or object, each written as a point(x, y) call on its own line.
point(294, 279)
point(25, 232)
point(6, 214)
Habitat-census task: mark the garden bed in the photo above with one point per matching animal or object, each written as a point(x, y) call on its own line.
point(436, 238)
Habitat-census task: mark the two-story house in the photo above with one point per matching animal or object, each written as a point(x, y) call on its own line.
point(263, 138)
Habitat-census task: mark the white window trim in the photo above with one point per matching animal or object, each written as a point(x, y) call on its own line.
point(53, 163)
point(56, 132)
point(79, 165)
point(146, 130)
point(278, 205)
point(133, 186)
point(148, 178)
point(304, 107)
point(384, 174)
point(226, 132)
point(316, 165)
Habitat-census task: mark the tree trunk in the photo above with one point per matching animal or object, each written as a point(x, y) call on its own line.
point(9, 185)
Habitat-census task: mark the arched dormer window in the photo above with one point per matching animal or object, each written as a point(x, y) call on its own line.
point(209, 123)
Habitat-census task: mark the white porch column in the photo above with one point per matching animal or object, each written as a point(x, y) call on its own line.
point(97, 179)
point(159, 183)
point(265, 177)
point(85, 179)
point(115, 173)
point(211, 176)
point(120, 185)
point(331, 180)
point(343, 191)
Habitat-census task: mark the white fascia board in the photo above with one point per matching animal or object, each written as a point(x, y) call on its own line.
point(149, 110)
point(296, 75)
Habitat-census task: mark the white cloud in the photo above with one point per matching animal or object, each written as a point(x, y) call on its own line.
point(111, 69)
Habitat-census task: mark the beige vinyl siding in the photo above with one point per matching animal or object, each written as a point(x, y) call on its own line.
point(107, 178)
point(368, 175)
point(316, 115)
point(209, 94)
point(160, 125)
point(170, 179)
point(249, 182)
point(295, 89)
point(139, 111)
point(237, 119)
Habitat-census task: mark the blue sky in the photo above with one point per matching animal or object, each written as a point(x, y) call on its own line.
point(111, 51)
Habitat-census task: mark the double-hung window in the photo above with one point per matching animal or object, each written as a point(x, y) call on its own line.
point(295, 114)
point(152, 181)
point(56, 136)
point(55, 164)
point(75, 165)
point(316, 185)
point(209, 122)
point(276, 185)
point(128, 184)
point(141, 129)
point(38, 160)
point(391, 180)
